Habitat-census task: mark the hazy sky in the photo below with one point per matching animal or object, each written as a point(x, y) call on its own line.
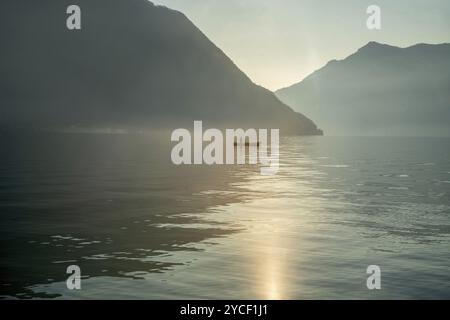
point(279, 42)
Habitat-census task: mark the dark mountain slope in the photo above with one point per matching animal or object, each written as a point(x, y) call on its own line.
point(133, 64)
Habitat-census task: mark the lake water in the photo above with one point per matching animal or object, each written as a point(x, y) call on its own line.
point(140, 227)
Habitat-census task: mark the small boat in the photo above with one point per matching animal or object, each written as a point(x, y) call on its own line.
point(247, 144)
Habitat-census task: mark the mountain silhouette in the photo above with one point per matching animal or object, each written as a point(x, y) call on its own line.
point(132, 65)
point(379, 90)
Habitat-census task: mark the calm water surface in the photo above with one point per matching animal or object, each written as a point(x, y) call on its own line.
point(140, 227)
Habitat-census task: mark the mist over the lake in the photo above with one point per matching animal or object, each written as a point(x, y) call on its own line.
point(136, 140)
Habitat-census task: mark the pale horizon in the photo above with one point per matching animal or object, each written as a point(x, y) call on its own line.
point(144, 160)
point(279, 43)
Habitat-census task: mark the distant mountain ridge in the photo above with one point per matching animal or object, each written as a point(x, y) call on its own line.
point(379, 90)
point(132, 65)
